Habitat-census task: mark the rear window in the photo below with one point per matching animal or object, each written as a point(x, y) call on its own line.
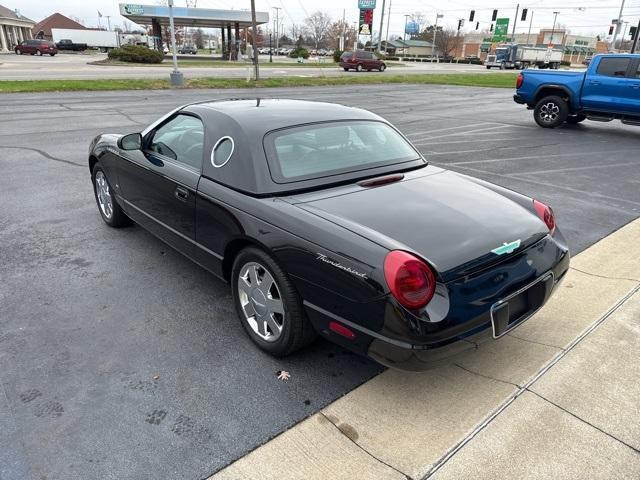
point(613, 67)
point(346, 55)
point(333, 148)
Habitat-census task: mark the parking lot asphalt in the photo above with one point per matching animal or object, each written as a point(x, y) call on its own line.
point(121, 359)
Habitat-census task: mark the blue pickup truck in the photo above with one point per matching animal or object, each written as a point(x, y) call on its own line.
point(608, 90)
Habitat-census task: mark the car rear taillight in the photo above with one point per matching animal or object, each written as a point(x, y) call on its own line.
point(410, 280)
point(519, 80)
point(546, 215)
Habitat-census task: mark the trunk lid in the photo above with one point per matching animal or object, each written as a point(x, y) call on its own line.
point(450, 221)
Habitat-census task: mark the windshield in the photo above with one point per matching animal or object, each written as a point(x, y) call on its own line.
point(321, 150)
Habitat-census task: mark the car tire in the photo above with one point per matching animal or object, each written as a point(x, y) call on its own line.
point(38, 53)
point(52, 54)
point(488, 67)
point(551, 111)
point(346, 69)
point(295, 329)
point(575, 119)
point(503, 66)
point(117, 218)
point(18, 51)
point(359, 67)
point(382, 67)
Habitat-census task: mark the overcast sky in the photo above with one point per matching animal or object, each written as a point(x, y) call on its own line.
point(580, 16)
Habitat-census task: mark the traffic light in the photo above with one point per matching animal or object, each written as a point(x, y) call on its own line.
point(477, 25)
point(472, 15)
point(494, 17)
point(524, 14)
point(611, 30)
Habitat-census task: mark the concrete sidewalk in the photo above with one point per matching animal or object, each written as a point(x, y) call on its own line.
point(557, 398)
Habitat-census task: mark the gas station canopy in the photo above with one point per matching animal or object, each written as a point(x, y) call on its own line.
point(190, 17)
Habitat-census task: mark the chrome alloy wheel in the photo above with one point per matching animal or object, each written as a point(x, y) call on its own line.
point(104, 195)
point(549, 112)
point(261, 301)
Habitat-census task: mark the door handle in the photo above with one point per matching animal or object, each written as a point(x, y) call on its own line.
point(635, 85)
point(181, 194)
point(593, 82)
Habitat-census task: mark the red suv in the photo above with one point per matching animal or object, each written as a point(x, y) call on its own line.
point(361, 60)
point(36, 47)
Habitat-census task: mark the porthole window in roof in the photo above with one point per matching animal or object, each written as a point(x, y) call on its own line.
point(222, 152)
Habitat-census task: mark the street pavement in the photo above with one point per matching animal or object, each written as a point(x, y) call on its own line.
point(78, 67)
point(121, 359)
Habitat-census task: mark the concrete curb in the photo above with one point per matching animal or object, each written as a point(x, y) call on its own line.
point(404, 425)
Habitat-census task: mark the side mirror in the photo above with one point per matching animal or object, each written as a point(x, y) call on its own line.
point(133, 141)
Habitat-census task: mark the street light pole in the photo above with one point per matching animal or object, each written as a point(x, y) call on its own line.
point(386, 37)
point(177, 78)
point(530, 23)
point(635, 39)
point(381, 25)
point(277, 29)
point(515, 20)
point(435, 34)
point(254, 31)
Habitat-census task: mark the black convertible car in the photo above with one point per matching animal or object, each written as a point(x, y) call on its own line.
point(325, 219)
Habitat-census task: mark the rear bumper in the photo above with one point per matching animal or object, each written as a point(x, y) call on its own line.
point(519, 99)
point(408, 349)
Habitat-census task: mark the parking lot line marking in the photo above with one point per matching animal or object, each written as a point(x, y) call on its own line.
point(522, 178)
point(450, 128)
point(534, 157)
point(468, 132)
point(475, 140)
point(571, 169)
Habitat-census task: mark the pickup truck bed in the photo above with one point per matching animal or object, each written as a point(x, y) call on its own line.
point(609, 89)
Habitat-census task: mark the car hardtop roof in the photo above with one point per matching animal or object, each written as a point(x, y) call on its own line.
point(258, 115)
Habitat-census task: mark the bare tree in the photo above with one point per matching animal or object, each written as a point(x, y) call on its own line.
point(295, 30)
point(317, 26)
point(446, 40)
point(336, 30)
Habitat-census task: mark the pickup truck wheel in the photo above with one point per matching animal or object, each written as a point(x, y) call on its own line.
point(574, 119)
point(550, 112)
point(488, 67)
point(268, 305)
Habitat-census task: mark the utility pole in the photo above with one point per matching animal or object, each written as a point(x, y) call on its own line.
point(381, 25)
point(435, 33)
point(277, 29)
point(515, 20)
point(553, 29)
point(254, 31)
point(108, 22)
point(617, 30)
point(386, 37)
point(530, 23)
point(624, 34)
point(635, 39)
point(344, 28)
point(176, 77)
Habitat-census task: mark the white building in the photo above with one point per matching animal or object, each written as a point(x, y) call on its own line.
point(14, 28)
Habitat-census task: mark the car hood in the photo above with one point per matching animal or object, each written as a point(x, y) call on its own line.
point(451, 221)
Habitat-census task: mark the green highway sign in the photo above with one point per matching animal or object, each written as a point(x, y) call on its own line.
point(502, 29)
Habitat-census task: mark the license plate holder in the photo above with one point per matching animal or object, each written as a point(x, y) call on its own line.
point(515, 309)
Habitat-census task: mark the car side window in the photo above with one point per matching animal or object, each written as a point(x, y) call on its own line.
point(181, 139)
point(613, 67)
point(638, 71)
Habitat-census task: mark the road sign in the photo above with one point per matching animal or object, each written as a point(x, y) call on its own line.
point(502, 29)
point(366, 21)
point(366, 4)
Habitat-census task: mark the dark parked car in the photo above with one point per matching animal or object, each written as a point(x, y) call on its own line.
point(67, 44)
point(188, 49)
point(326, 220)
point(361, 60)
point(36, 47)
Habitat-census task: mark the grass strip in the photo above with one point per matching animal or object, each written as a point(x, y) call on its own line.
point(495, 80)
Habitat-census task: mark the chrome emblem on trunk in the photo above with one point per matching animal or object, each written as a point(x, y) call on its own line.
point(506, 247)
